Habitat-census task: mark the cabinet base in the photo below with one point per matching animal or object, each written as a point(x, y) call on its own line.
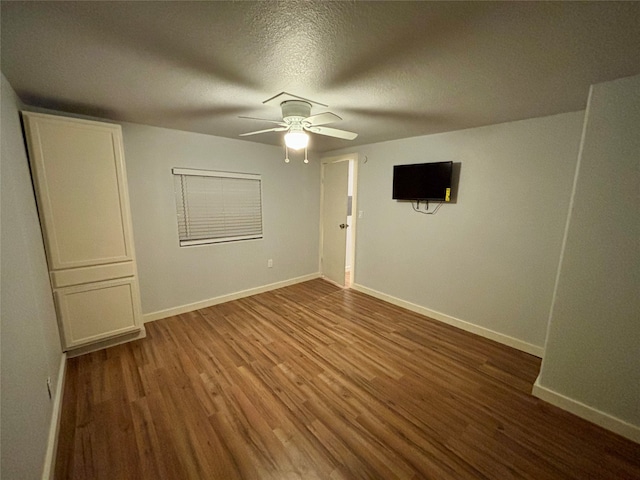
point(111, 342)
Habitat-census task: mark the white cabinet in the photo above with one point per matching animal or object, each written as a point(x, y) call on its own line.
point(86, 309)
point(80, 181)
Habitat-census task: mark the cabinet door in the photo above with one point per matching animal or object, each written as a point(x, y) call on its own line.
point(96, 311)
point(78, 169)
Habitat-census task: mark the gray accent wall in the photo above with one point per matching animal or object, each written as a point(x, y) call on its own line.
point(172, 276)
point(593, 347)
point(490, 258)
point(30, 342)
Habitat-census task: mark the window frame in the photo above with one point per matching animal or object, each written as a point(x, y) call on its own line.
point(182, 172)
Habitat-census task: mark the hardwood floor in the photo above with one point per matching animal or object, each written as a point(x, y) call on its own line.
point(315, 382)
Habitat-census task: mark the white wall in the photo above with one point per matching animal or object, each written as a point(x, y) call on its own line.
point(491, 258)
point(593, 345)
point(30, 343)
point(171, 276)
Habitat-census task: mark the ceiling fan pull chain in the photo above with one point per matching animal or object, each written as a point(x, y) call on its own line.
point(306, 160)
point(286, 154)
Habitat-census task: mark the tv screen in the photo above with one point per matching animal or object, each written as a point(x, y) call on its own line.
point(422, 181)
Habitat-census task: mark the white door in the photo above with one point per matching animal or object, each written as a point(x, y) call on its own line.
point(334, 220)
point(78, 169)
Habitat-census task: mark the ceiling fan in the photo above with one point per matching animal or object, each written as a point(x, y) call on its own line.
point(297, 120)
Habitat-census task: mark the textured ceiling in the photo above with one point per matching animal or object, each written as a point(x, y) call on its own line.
point(389, 69)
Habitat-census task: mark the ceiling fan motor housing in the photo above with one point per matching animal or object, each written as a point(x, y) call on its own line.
point(294, 111)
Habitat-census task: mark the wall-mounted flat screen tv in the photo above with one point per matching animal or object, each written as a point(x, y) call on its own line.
point(423, 181)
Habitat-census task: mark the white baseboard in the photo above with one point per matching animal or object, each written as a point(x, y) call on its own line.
point(48, 469)
point(456, 322)
point(150, 317)
point(593, 415)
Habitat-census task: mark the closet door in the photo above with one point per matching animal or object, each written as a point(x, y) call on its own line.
point(80, 182)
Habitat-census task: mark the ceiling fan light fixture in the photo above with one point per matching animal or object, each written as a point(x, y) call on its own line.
point(297, 121)
point(296, 140)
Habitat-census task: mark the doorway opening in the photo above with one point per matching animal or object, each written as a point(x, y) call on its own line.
point(338, 219)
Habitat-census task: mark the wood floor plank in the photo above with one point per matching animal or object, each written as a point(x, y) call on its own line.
point(316, 382)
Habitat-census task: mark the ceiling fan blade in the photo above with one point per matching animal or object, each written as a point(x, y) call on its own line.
point(322, 118)
point(277, 129)
point(279, 122)
point(332, 132)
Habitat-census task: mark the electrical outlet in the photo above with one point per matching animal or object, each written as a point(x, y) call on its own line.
point(49, 387)
point(360, 214)
point(270, 263)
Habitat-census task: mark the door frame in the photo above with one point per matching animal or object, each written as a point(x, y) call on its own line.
point(352, 247)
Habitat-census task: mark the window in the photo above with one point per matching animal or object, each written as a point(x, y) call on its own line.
point(217, 207)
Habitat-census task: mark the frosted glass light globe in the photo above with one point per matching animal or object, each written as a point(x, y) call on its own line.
point(296, 140)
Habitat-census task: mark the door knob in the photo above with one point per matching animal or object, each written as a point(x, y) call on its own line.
point(343, 225)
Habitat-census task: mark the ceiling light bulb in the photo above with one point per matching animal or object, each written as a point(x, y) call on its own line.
point(296, 140)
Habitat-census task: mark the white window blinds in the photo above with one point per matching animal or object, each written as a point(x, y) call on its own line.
point(217, 207)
